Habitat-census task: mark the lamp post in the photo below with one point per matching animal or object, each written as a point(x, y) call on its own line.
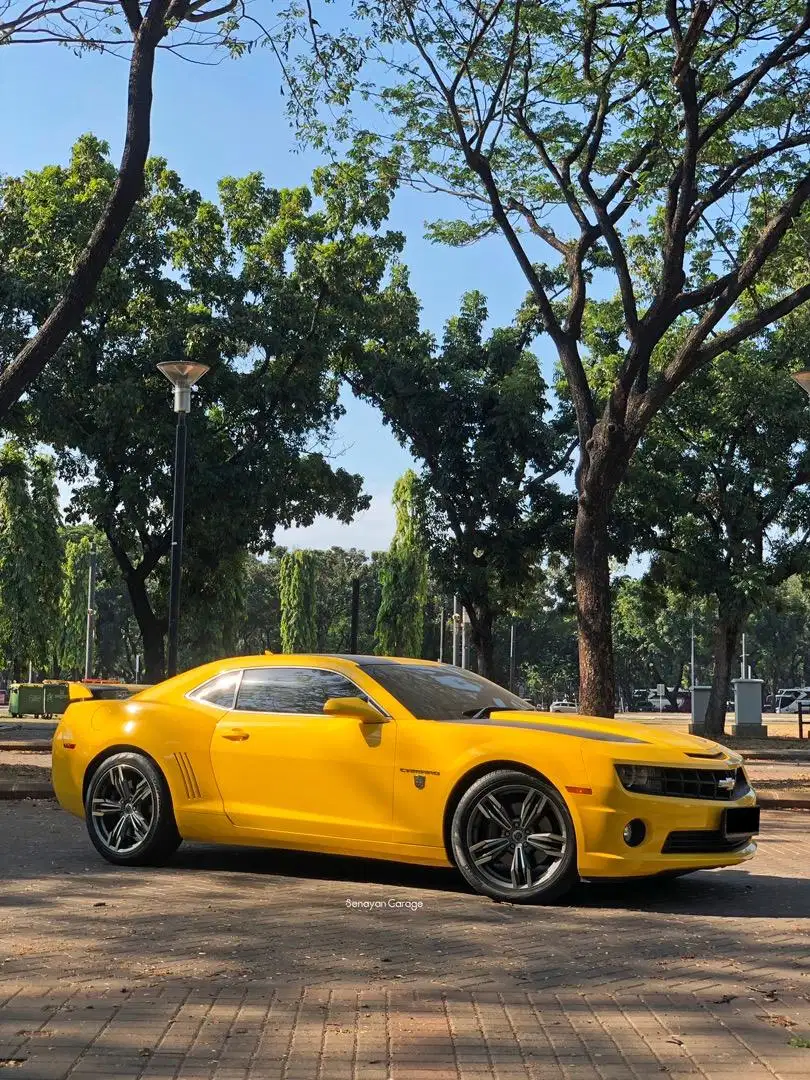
point(182, 374)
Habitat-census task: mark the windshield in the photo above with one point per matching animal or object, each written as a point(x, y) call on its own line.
point(442, 693)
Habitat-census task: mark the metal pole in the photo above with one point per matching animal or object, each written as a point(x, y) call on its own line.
point(441, 636)
point(463, 638)
point(742, 665)
point(91, 616)
point(177, 541)
point(355, 620)
point(455, 631)
point(512, 656)
point(137, 666)
point(693, 654)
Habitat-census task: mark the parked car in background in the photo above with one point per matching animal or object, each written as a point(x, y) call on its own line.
point(563, 706)
point(659, 704)
point(787, 700)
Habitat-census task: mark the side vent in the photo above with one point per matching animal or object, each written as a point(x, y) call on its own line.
point(189, 779)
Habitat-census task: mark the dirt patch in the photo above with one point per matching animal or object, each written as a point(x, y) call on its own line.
point(24, 765)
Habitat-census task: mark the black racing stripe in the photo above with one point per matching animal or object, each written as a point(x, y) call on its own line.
point(579, 733)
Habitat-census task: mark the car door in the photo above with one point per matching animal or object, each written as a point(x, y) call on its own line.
point(286, 768)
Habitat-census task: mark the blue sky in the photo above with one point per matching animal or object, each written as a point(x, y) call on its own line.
point(229, 120)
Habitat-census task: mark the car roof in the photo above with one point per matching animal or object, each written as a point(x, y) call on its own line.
point(188, 680)
point(360, 659)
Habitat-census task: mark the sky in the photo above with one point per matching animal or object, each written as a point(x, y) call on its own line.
point(229, 119)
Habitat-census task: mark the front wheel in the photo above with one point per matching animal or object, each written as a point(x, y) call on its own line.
point(513, 839)
point(128, 810)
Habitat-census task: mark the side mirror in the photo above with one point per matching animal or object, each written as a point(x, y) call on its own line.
point(356, 708)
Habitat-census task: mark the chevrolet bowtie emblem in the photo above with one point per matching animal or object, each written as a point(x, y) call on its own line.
point(726, 783)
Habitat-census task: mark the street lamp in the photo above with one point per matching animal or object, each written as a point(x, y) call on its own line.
point(182, 374)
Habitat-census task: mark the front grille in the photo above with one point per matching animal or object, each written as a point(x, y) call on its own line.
point(685, 783)
point(701, 842)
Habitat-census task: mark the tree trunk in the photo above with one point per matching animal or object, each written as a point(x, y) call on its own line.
point(152, 628)
point(481, 621)
point(71, 306)
point(726, 641)
point(592, 580)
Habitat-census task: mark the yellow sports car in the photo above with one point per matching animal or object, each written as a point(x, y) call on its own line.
point(398, 759)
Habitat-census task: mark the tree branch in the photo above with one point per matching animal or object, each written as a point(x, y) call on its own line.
point(67, 312)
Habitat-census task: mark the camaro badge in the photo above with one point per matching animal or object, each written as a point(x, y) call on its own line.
point(419, 781)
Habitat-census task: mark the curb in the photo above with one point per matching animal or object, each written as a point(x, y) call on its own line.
point(25, 789)
point(787, 757)
point(37, 745)
point(778, 801)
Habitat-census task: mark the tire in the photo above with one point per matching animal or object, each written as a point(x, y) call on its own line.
point(128, 812)
point(492, 845)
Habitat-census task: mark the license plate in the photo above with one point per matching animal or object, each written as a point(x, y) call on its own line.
point(740, 821)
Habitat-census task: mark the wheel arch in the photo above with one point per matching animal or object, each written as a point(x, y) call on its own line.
point(109, 751)
point(468, 779)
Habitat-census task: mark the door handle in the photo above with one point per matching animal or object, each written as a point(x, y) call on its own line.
point(236, 735)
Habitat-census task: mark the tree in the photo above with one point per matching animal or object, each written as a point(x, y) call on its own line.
point(403, 578)
point(30, 557)
point(546, 635)
point(474, 413)
point(143, 26)
point(719, 490)
point(657, 150)
point(299, 632)
point(778, 636)
point(652, 630)
point(261, 618)
point(73, 604)
point(336, 568)
point(267, 287)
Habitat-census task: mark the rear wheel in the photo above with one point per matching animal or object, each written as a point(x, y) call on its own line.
point(128, 811)
point(513, 838)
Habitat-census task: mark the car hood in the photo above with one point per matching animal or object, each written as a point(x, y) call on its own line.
point(600, 729)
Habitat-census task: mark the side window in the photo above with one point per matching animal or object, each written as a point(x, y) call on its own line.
point(291, 690)
point(218, 691)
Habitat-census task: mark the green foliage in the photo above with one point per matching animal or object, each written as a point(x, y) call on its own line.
point(267, 287)
point(30, 557)
point(335, 569)
point(403, 578)
point(261, 622)
point(652, 626)
point(719, 489)
point(297, 589)
point(73, 604)
point(474, 413)
point(778, 636)
point(654, 154)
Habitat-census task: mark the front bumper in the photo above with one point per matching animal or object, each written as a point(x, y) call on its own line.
point(603, 816)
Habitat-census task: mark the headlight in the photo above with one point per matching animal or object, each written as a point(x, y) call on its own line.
point(645, 779)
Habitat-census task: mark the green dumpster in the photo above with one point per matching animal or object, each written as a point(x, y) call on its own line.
point(27, 699)
point(55, 698)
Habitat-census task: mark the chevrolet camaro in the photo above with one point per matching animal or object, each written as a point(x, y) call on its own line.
point(398, 759)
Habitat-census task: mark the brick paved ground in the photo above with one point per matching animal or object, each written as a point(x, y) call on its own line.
point(246, 964)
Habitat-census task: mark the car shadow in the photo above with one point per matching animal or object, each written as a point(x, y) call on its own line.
point(317, 867)
point(728, 893)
